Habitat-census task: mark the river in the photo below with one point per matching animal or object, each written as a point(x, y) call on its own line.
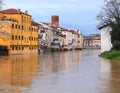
point(60, 72)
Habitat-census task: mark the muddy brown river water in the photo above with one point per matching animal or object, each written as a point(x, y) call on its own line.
point(61, 72)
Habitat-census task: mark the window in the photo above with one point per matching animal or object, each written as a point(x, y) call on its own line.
point(22, 37)
point(19, 37)
point(22, 48)
point(19, 26)
point(16, 26)
point(13, 26)
point(15, 37)
point(12, 48)
point(22, 27)
point(12, 37)
point(22, 18)
point(16, 48)
point(29, 29)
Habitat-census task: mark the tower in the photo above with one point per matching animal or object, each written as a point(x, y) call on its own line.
point(55, 20)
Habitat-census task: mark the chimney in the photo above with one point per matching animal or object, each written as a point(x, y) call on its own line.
point(19, 11)
point(55, 20)
point(26, 12)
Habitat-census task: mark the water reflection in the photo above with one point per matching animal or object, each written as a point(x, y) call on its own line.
point(16, 73)
point(110, 76)
point(115, 77)
point(55, 62)
point(77, 72)
point(59, 72)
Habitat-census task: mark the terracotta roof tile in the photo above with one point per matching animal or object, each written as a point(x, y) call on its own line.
point(12, 11)
point(42, 31)
point(35, 23)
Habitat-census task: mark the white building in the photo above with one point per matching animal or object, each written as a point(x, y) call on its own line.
point(106, 44)
point(68, 43)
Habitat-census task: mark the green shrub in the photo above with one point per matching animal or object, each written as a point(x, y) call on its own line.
point(113, 54)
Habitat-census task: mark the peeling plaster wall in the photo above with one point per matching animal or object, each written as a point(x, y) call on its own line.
point(106, 44)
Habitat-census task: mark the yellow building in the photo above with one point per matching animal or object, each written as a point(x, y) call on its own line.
point(23, 32)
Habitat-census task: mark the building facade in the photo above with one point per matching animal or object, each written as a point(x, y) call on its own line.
point(46, 35)
point(23, 32)
point(106, 44)
point(92, 41)
point(60, 37)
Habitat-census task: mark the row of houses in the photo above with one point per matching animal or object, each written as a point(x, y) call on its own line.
point(92, 41)
point(20, 34)
point(54, 36)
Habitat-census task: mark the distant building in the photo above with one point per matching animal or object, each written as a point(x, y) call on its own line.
point(59, 37)
point(92, 41)
point(73, 39)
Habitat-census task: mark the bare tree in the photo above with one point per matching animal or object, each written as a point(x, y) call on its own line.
point(110, 14)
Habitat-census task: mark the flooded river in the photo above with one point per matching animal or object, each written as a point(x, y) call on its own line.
point(60, 72)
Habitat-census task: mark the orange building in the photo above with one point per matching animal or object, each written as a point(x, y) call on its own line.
point(23, 32)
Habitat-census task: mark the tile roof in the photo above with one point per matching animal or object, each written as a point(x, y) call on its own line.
point(13, 11)
point(60, 34)
point(46, 23)
point(35, 23)
point(51, 25)
point(61, 28)
point(42, 31)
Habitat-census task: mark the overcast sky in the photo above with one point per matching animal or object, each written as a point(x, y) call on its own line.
point(77, 14)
